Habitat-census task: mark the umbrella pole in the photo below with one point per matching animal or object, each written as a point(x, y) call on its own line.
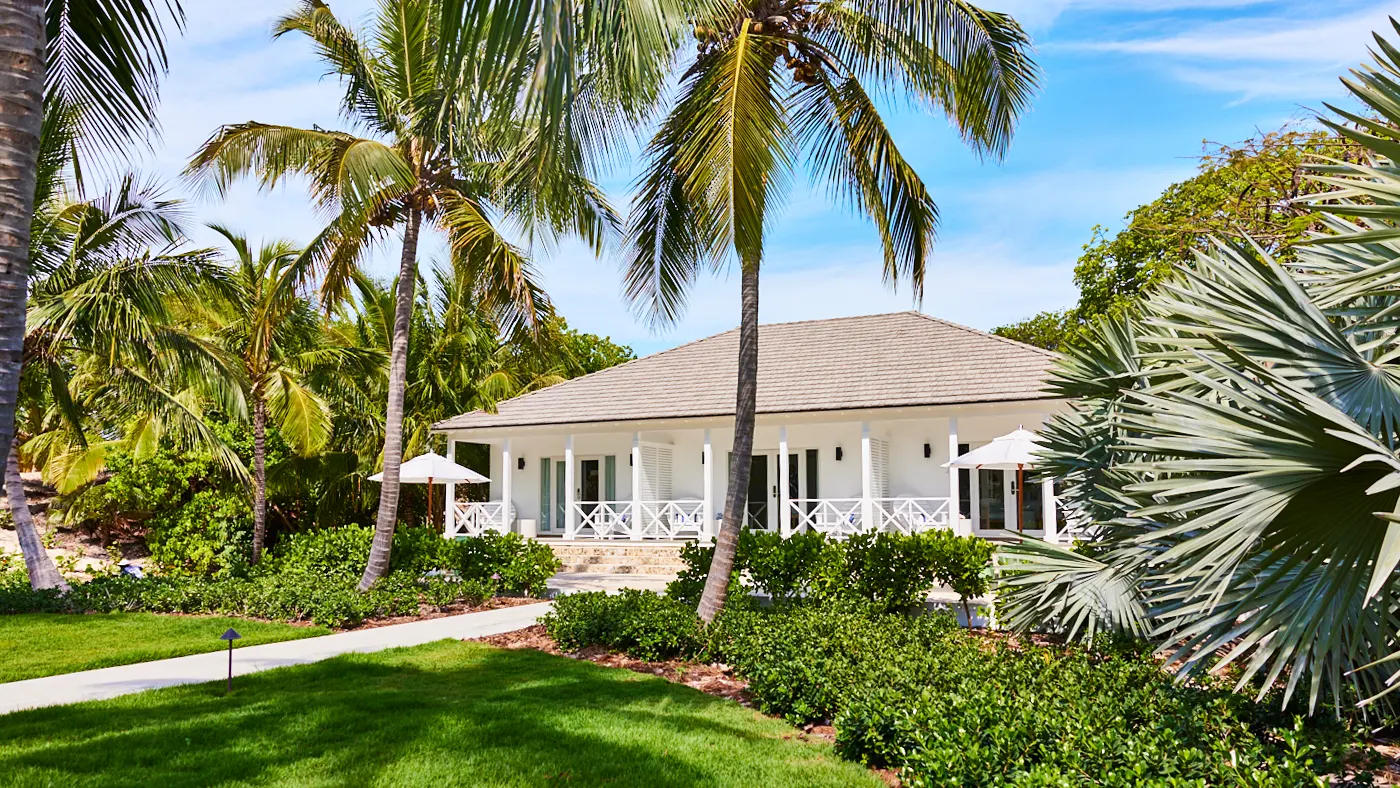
point(1020, 498)
point(430, 502)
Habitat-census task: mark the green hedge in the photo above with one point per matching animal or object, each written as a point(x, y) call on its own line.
point(948, 707)
point(312, 577)
point(893, 571)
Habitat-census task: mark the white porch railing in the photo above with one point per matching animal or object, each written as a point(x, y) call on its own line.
point(837, 517)
point(603, 520)
point(843, 517)
point(477, 517)
point(683, 519)
point(910, 515)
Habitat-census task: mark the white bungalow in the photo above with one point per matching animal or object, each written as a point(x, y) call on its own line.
point(856, 419)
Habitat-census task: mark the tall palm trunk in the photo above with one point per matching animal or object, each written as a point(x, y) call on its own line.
point(737, 493)
point(42, 572)
point(21, 115)
point(393, 417)
point(259, 476)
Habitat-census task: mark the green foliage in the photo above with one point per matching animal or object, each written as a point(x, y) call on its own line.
point(312, 577)
point(895, 572)
point(643, 624)
point(209, 535)
point(1048, 330)
point(949, 708)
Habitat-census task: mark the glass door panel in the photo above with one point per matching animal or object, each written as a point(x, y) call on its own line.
point(590, 485)
point(991, 499)
point(758, 498)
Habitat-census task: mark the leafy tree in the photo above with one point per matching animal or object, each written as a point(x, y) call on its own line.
point(475, 111)
point(777, 83)
point(1231, 453)
point(95, 64)
point(1239, 192)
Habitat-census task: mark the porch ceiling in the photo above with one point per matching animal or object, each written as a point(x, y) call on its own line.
point(905, 359)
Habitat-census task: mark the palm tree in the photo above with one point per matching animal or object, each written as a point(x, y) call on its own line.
point(278, 338)
point(777, 83)
point(466, 105)
point(97, 59)
point(107, 360)
point(1232, 456)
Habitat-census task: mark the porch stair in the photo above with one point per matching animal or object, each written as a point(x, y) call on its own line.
point(620, 558)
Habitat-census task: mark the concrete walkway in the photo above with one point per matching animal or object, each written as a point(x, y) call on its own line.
point(198, 668)
point(574, 582)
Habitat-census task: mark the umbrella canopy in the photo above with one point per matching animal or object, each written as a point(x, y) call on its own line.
point(1010, 452)
point(433, 468)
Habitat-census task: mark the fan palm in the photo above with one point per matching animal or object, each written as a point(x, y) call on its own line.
point(1234, 453)
point(464, 102)
point(95, 61)
point(775, 83)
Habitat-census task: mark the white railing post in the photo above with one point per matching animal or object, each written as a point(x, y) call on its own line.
point(867, 484)
point(637, 524)
point(507, 484)
point(707, 459)
point(449, 510)
point(784, 494)
point(570, 516)
point(954, 498)
point(1047, 506)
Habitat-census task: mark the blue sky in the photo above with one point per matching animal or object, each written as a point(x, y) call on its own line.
point(1131, 89)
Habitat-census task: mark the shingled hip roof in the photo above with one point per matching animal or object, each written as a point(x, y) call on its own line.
point(902, 359)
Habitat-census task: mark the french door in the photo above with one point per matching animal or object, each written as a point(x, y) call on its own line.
point(994, 502)
point(761, 510)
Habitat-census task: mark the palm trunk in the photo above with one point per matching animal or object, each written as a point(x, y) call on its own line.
point(259, 477)
point(21, 115)
point(393, 416)
point(42, 572)
point(737, 493)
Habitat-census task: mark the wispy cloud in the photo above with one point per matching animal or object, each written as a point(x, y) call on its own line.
point(1286, 54)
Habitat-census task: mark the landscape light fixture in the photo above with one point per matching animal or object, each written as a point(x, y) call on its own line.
point(230, 636)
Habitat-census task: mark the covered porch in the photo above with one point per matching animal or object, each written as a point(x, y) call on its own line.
point(837, 473)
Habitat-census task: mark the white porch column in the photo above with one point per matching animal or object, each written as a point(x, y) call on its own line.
point(507, 486)
point(867, 485)
point(1047, 501)
point(570, 517)
point(784, 492)
point(449, 507)
point(636, 485)
point(954, 512)
point(707, 459)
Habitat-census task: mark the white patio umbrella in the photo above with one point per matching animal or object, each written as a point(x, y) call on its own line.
point(433, 469)
point(1012, 451)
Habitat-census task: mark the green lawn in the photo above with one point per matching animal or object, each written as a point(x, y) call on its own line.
point(448, 713)
point(42, 644)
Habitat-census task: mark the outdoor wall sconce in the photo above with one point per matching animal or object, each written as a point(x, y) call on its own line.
point(928, 451)
point(838, 453)
point(520, 463)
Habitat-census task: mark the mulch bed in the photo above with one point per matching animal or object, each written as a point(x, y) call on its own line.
point(710, 679)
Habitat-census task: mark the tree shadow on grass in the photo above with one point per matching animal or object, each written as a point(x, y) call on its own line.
point(443, 714)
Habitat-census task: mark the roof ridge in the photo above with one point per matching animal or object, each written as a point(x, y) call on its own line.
point(837, 319)
point(563, 383)
point(987, 334)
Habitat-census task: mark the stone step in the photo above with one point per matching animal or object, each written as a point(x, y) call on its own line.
point(622, 569)
point(639, 560)
point(616, 550)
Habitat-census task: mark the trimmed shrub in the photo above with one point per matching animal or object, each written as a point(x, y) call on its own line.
point(643, 624)
point(947, 707)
